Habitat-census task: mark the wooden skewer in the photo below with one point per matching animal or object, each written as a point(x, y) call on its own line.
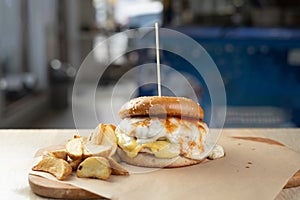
point(157, 60)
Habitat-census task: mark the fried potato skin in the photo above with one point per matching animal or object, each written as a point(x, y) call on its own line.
point(60, 168)
point(61, 153)
point(116, 168)
point(74, 148)
point(94, 167)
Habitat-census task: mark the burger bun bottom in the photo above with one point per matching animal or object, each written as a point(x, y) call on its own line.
point(149, 160)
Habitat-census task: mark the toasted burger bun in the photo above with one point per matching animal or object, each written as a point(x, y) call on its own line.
point(161, 106)
point(149, 160)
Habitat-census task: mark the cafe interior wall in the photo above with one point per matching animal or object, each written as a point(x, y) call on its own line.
point(29, 40)
point(22, 55)
point(33, 33)
point(44, 42)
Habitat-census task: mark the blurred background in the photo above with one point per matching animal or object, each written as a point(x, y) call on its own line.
point(254, 43)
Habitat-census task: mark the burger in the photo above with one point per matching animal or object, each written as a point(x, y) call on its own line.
point(161, 131)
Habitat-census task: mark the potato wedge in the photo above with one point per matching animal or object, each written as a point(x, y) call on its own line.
point(104, 134)
point(55, 166)
point(47, 149)
point(97, 135)
point(116, 168)
point(74, 148)
point(116, 157)
point(90, 149)
point(109, 137)
point(62, 154)
point(108, 133)
point(94, 167)
point(75, 163)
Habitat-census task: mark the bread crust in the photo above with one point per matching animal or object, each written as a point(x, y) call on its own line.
point(149, 160)
point(162, 106)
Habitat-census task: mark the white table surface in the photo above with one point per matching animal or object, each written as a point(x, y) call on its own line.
point(19, 146)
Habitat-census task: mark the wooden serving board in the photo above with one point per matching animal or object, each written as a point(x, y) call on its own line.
point(48, 188)
point(53, 189)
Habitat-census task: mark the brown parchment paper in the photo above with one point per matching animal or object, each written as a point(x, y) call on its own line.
point(250, 170)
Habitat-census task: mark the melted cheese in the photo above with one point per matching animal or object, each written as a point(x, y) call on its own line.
point(161, 149)
point(181, 137)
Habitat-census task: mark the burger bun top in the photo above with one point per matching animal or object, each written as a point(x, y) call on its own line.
point(159, 106)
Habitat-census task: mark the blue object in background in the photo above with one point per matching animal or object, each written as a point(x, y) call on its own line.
point(260, 69)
